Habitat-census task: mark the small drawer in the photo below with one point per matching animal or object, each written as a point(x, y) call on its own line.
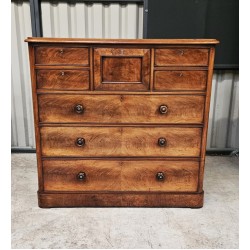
point(120, 141)
point(121, 69)
point(49, 55)
point(123, 175)
point(163, 109)
point(181, 57)
point(165, 80)
point(63, 79)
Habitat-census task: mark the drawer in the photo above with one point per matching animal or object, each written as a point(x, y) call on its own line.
point(120, 141)
point(55, 108)
point(181, 57)
point(124, 175)
point(121, 69)
point(63, 79)
point(62, 55)
point(168, 80)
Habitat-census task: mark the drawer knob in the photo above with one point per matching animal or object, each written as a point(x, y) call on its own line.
point(79, 109)
point(81, 176)
point(62, 73)
point(80, 142)
point(163, 109)
point(160, 176)
point(61, 51)
point(162, 142)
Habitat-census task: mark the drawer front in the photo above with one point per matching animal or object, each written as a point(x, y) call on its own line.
point(124, 175)
point(62, 55)
point(121, 69)
point(180, 80)
point(120, 141)
point(121, 108)
point(181, 57)
point(63, 79)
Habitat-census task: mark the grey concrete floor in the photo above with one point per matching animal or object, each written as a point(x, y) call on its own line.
point(213, 226)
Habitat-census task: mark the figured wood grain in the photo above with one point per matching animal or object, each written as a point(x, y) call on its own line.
point(61, 55)
point(121, 69)
point(114, 42)
point(180, 80)
point(103, 175)
point(120, 199)
point(54, 108)
point(63, 79)
point(120, 141)
point(181, 57)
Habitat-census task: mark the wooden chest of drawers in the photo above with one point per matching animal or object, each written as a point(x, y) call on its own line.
point(121, 122)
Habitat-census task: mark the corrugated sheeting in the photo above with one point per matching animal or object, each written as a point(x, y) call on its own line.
point(223, 127)
point(22, 129)
point(78, 19)
point(60, 19)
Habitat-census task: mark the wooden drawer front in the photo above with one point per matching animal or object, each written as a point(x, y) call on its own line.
point(63, 79)
point(121, 108)
point(62, 55)
point(120, 141)
point(121, 69)
point(124, 175)
point(181, 57)
point(180, 80)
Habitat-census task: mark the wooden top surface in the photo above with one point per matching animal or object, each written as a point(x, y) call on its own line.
point(120, 41)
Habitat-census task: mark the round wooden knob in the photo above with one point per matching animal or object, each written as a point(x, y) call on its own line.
point(163, 109)
point(160, 176)
point(80, 142)
point(81, 176)
point(162, 142)
point(79, 109)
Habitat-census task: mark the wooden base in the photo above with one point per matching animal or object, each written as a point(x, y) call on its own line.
point(120, 199)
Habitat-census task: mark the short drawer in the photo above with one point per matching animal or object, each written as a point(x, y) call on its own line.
point(181, 57)
point(63, 79)
point(120, 175)
point(165, 80)
point(146, 109)
point(62, 55)
point(121, 69)
point(120, 141)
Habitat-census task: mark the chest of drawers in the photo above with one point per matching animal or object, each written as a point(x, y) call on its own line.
point(121, 122)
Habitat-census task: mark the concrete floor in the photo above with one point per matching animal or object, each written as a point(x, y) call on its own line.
point(213, 226)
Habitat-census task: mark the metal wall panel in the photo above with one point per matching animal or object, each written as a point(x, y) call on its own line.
point(223, 127)
point(98, 20)
point(60, 19)
point(22, 128)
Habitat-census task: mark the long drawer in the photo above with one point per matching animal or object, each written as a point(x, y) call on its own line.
point(120, 141)
point(161, 109)
point(120, 175)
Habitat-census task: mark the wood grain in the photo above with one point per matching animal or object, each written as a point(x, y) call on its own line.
point(61, 55)
point(121, 69)
point(120, 199)
point(114, 42)
point(120, 141)
point(104, 175)
point(54, 108)
point(181, 57)
point(63, 79)
point(180, 80)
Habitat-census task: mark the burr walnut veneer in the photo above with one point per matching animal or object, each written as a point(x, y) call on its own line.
point(121, 122)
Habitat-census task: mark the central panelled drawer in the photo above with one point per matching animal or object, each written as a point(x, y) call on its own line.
point(120, 175)
point(68, 108)
point(120, 141)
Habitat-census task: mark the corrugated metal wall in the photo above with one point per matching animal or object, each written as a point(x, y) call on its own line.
point(60, 19)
